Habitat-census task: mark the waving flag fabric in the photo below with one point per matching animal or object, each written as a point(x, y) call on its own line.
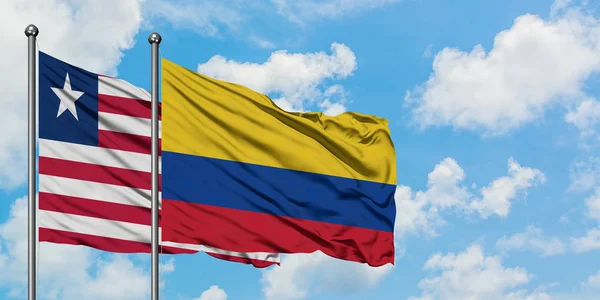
point(243, 175)
point(94, 164)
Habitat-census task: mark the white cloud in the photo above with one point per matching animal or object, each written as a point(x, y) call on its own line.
point(487, 278)
point(585, 175)
point(334, 102)
point(427, 53)
point(585, 117)
point(331, 109)
point(213, 293)
point(559, 6)
point(261, 42)
point(587, 178)
point(445, 190)
point(168, 266)
point(91, 34)
point(215, 18)
point(498, 195)
point(588, 290)
point(443, 185)
point(301, 12)
point(419, 211)
point(68, 272)
point(532, 66)
point(296, 78)
point(593, 282)
point(204, 18)
point(524, 295)
point(417, 214)
point(589, 242)
point(592, 204)
point(532, 240)
point(302, 274)
point(118, 278)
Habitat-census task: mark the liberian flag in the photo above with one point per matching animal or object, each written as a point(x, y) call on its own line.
point(94, 165)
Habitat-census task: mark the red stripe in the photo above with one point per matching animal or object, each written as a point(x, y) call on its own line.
point(126, 142)
point(103, 243)
point(127, 106)
point(96, 173)
point(125, 246)
point(245, 231)
point(96, 209)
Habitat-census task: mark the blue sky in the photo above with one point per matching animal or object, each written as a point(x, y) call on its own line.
point(492, 107)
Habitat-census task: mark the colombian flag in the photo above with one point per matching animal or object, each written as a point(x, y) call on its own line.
point(241, 174)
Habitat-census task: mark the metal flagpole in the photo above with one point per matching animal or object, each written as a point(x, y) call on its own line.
point(31, 32)
point(154, 39)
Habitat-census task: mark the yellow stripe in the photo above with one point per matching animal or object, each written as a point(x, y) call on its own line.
point(206, 117)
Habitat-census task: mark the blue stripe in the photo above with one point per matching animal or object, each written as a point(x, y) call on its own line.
point(276, 191)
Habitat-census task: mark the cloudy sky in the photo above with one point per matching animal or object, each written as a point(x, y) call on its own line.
point(493, 108)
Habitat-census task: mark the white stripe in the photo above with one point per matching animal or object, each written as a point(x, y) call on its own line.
point(121, 88)
point(96, 191)
point(126, 231)
point(264, 256)
point(126, 124)
point(96, 155)
point(94, 226)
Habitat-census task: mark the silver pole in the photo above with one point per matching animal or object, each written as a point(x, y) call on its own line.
point(31, 32)
point(154, 39)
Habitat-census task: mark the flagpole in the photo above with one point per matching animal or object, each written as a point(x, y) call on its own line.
point(31, 32)
point(154, 39)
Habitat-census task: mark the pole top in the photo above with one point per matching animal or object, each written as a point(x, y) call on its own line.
point(31, 30)
point(154, 38)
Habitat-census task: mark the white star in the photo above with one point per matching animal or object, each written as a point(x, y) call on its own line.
point(67, 98)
